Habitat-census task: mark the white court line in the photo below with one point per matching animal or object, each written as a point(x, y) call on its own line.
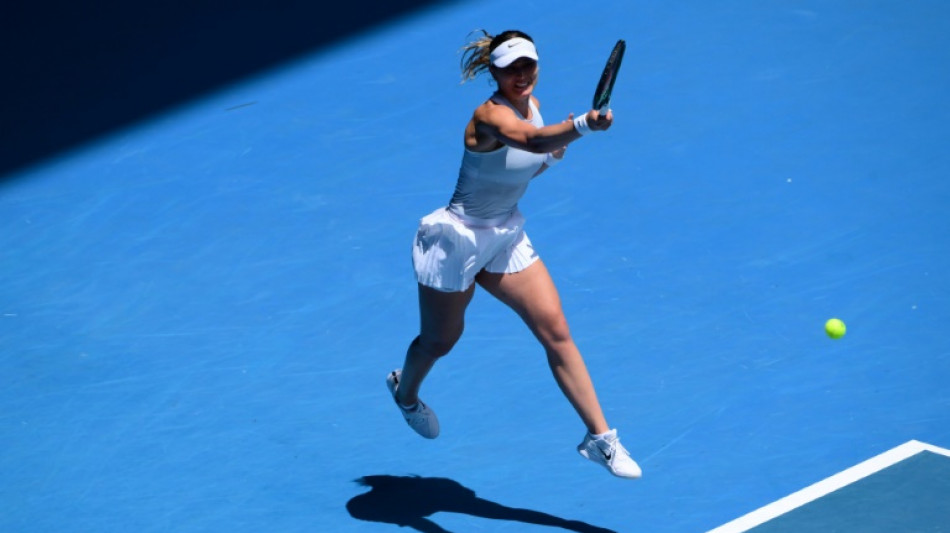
point(827, 486)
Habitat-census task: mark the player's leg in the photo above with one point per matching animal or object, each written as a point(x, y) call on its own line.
point(531, 293)
point(442, 319)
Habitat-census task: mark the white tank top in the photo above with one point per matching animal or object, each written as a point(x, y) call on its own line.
point(491, 183)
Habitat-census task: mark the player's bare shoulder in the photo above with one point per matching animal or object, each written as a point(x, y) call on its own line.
point(481, 131)
point(492, 113)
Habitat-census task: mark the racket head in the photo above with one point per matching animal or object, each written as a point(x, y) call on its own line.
point(605, 86)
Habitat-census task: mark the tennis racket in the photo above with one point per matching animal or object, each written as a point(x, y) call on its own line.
point(606, 84)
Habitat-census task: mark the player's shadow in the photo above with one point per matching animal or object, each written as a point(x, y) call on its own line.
point(409, 501)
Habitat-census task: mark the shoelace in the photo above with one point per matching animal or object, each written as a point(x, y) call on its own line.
point(418, 420)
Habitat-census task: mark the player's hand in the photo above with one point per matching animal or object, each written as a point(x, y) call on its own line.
point(598, 122)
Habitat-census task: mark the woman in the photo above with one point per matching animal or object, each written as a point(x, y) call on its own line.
point(479, 238)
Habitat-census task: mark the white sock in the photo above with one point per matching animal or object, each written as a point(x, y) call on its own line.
point(599, 436)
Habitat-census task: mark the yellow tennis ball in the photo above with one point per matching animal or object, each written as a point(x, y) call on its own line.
point(835, 328)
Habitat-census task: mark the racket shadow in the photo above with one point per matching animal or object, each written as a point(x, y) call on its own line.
point(409, 501)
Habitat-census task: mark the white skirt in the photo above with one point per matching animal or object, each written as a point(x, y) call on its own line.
point(449, 250)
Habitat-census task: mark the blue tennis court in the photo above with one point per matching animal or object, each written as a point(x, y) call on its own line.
point(199, 306)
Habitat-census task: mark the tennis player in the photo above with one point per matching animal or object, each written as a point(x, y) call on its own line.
point(479, 238)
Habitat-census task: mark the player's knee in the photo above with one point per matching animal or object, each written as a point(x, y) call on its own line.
point(554, 329)
point(439, 345)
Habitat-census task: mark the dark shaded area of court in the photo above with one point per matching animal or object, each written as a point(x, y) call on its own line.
point(74, 71)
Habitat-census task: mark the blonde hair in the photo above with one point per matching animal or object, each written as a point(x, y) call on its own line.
point(476, 55)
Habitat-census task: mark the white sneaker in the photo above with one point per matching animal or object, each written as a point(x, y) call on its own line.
point(420, 418)
point(611, 454)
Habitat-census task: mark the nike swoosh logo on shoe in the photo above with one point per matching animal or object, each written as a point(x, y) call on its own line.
point(607, 456)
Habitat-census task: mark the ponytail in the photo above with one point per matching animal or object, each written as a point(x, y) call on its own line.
point(475, 56)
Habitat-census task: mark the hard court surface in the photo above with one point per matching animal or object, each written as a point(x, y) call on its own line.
point(198, 308)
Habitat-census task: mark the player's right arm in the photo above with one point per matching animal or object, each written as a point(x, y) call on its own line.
point(492, 124)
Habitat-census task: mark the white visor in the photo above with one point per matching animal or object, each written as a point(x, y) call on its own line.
point(507, 52)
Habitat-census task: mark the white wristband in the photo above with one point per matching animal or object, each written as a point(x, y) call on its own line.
point(550, 160)
point(580, 124)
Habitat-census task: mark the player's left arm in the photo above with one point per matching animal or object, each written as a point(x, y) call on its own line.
point(554, 156)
